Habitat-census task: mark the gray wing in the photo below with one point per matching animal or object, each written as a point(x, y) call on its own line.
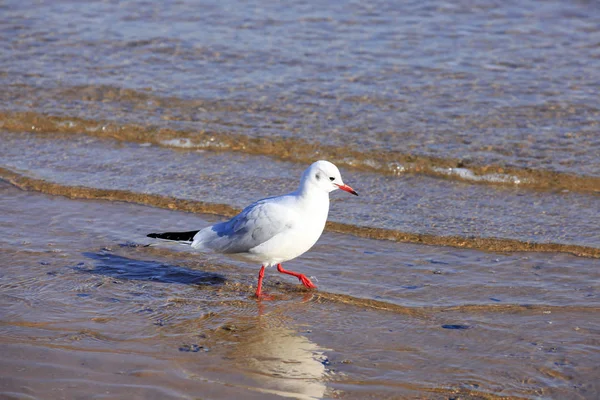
point(255, 225)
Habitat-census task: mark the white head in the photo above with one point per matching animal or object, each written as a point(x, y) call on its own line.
point(324, 176)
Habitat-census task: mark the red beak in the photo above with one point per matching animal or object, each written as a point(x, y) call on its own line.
point(348, 189)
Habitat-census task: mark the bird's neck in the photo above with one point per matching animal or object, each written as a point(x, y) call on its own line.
point(313, 198)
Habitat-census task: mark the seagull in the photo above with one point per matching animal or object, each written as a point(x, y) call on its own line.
point(276, 229)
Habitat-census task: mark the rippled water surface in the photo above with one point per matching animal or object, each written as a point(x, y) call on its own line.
point(513, 84)
point(84, 303)
point(467, 267)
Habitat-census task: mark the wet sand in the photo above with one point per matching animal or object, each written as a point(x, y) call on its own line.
point(88, 309)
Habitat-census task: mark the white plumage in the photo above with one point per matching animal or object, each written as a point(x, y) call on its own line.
point(276, 229)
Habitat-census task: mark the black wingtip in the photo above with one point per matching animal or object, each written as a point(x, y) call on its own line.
point(177, 236)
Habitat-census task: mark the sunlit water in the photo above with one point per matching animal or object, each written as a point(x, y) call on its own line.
point(467, 267)
point(161, 321)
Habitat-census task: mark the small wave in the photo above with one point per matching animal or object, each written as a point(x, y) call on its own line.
point(302, 151)
point(479, 243)
point(429, 312)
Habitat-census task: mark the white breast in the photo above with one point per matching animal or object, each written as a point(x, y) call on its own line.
point(305, 231)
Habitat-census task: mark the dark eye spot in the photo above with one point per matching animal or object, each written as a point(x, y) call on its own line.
point(318, 176)
point(331, 178)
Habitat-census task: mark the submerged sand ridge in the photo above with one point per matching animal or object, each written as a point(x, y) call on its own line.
point(300, 150)
point(82, 298)
point(489, 244)
point(413, 208)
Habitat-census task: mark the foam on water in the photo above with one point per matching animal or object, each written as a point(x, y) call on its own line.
point(467, 174)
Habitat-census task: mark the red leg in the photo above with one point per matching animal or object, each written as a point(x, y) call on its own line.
point(261, 275)
point(305, 281)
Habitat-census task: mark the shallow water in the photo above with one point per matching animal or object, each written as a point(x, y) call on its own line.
point(494, 85)
point(83, 302)
point(467, 267)
point(413, 205)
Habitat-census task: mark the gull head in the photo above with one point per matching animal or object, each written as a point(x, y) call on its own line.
point(324, 176)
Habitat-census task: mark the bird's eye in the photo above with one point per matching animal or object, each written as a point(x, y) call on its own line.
point(331, 178)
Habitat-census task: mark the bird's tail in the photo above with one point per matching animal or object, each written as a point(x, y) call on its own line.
point(175, 236)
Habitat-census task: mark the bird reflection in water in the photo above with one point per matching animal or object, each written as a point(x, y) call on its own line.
point(282, 362)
